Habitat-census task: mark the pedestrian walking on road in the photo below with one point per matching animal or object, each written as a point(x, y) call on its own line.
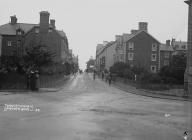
point(109, 78)
point(94, 73)
point(102, 75)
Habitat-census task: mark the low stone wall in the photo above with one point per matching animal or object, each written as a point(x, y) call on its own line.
point(13, 81)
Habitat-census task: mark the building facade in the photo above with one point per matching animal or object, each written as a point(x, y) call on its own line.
point(16, 37)
point(142, 50)
point(166, 52)
point(46, 34)
point(12, 37)
point(179, 46)
point(105, 55)
point(138, 49)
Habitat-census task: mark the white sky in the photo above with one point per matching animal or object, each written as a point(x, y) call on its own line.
point(89, 22)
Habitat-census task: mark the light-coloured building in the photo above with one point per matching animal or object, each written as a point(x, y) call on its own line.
point(105, 55)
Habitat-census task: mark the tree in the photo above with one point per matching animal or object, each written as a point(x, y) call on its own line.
point(174, 73)
point(119, 68)
point(38, 56)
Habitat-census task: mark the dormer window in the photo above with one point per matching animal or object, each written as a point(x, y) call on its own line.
point(50, 30)
point(36, 30)
point(19, 32)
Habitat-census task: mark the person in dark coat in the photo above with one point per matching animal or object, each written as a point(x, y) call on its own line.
point(102, 75)
point(110, 78)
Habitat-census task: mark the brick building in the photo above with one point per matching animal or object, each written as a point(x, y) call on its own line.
point(12, 37)
point(138, 48)
point(142, 50)
point(16, 37)
point(46, 34)
point(105, 55)
point(166, 51)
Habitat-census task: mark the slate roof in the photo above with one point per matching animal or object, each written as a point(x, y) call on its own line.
point(61, 33)
point(9, 29)
point(164, 47)
point(134, 35)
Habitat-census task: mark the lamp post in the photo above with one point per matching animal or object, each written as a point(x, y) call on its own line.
point(188, 71)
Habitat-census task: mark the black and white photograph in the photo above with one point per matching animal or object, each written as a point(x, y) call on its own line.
point(95, 70)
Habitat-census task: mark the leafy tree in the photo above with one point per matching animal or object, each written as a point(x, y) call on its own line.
point(38, 56)
point(174, 73)
point(119, 68)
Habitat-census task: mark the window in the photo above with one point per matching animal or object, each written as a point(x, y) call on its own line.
point(18, 43)
point(153, 57)
point(131, 46)
point(50, 30)
point(9, 43)
point(176, 46)
point(166, 62)
point(153, 69)
point(166, 54)
point(131, 65)
point(121, 57)
point(154, 47)
point(130, 56)
point(183, 47)
point(19, 32)
point(36, 30)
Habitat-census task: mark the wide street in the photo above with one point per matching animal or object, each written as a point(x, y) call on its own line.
point(87, 109)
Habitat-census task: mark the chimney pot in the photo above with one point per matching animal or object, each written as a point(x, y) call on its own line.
point(143, 26)
point(13, 20)
point(134, 31)
point(52, 22)
point(168, 42)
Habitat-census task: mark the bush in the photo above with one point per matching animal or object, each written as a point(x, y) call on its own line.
point(119, 68)
point(128, 74)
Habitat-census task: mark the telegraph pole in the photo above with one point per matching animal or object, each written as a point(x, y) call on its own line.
point(188, 72)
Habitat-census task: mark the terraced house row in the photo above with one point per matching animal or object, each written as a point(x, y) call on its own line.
point(138, 48)
point(16, 37)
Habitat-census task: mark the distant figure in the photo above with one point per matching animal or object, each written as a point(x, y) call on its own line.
point(94, 73)
point(110, 78)
point(102, 75)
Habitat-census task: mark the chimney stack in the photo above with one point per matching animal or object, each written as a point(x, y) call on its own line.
point(52, 22)
point(143, 26)
point(13, 20)
point(44, 21)
point(168, 42)
point(125, 36)
point(105, 43)
point(118, 38)
point(134, 31)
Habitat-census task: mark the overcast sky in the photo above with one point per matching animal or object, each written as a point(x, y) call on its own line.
point(89, 22)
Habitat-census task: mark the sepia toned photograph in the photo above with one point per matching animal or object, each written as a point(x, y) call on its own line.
point(95, 70)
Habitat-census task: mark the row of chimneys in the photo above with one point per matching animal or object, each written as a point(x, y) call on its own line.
point(170, 42)
point(143, 26)
point(119, 38)
point(44, 21)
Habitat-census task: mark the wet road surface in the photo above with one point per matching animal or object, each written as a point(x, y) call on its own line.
point(87, 109)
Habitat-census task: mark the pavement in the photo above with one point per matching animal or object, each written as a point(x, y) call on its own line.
point(174, 94)
point(40, 90)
